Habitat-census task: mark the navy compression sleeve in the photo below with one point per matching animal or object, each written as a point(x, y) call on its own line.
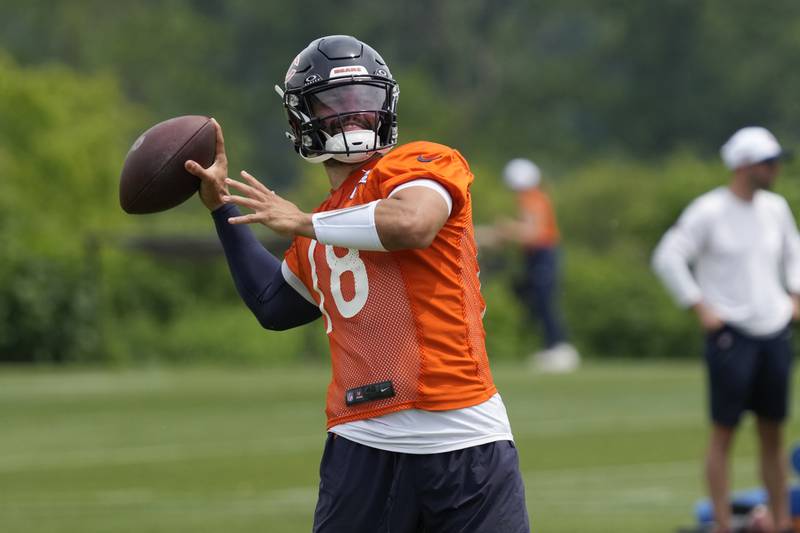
point(258, 277)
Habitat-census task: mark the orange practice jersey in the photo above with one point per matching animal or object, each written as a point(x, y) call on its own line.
point(407, 321)
point(535, 204)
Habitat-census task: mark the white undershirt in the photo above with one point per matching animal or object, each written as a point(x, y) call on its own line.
point(420, 432)
point(738, 257)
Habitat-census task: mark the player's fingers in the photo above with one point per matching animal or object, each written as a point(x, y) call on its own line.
point(243, 187)
point(253, 181)
point(243, 219)
point(241, 200)
point(220, 151)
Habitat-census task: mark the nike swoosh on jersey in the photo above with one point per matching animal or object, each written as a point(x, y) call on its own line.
point(423, 159)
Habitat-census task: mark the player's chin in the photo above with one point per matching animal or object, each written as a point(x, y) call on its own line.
point(334, 163)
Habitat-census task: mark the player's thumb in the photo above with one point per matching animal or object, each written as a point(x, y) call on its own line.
point(194, 168)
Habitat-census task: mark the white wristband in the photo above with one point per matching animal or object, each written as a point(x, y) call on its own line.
point(351, 227)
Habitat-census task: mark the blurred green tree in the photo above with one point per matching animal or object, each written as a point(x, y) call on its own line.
point(62, 138)
point(574, 78)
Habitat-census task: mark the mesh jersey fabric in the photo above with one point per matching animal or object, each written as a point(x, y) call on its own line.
point(412, 317)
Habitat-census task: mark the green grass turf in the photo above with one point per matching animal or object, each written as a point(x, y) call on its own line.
point(615, 447)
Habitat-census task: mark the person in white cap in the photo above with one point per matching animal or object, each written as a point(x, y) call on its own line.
point(733, 257)
point(536, 230)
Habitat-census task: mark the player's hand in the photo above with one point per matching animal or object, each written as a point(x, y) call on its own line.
point(795, 307)
point(709, 321)
point(278, 214)
point(212, 179)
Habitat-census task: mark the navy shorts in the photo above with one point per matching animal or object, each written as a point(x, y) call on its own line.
point(366, 490)
point(748, 373)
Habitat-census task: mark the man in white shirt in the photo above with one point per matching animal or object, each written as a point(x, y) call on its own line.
point(733, 257)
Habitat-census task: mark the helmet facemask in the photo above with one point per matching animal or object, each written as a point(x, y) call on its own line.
point(348, 120)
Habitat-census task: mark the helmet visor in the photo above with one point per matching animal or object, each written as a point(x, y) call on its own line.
point(348, 106)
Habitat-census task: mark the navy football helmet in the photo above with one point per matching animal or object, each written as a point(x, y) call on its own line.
point(341, 101)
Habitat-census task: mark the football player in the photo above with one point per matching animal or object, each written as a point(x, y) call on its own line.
point(418, 436)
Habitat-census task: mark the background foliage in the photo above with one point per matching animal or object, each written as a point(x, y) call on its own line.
point(623, 103)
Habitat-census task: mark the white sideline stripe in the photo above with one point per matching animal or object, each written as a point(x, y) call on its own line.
point(271, 502)
point(305, 496)
point(280, 501)
point(35, 388)
point(56, 459)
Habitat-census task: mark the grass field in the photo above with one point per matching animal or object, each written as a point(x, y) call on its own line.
point(613, 448)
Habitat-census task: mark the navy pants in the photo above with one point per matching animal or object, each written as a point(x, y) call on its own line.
point(748, 373)
point(539, 292)
point(366, 490)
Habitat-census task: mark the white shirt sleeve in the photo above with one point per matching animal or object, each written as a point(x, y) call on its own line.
point(677, 251)
point(430, 184)
point(791, 251)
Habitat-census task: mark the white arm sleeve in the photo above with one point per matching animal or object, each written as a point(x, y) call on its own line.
point(675, 253)
point(791, 251)
point(351, 227)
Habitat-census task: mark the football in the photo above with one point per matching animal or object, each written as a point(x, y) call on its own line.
point(153, 177)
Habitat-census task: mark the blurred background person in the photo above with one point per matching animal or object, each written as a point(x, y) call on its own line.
point(536, 231)
point(733, 257)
